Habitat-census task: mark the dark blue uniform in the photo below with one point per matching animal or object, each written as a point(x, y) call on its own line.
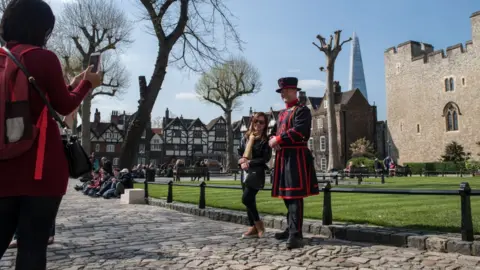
point(294, 176)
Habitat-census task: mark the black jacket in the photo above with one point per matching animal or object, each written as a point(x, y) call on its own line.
point(261, 154)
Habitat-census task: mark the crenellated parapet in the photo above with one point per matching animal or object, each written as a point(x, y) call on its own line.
point(422, 51)
point(419, 51)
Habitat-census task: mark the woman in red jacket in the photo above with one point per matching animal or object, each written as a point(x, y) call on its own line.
point(27, 203)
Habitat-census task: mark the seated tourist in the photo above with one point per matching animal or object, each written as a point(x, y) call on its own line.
point(109, 186)
point(95, 184)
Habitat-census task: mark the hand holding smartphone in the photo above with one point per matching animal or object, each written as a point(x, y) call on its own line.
point(95, 61)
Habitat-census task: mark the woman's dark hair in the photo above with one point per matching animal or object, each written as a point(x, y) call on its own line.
point(27, 22)
point(254, 119)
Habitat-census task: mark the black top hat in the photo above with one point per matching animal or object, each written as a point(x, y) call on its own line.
point(287, 82)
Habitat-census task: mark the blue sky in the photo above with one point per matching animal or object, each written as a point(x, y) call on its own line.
point(279, 36)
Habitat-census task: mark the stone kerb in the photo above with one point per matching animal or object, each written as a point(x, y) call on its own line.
point(446, 243)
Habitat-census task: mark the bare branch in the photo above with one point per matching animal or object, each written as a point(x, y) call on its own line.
point(189, 28)
point(103, 93)
point(225, 84)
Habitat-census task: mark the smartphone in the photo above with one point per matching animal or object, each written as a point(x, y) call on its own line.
point(95, 61)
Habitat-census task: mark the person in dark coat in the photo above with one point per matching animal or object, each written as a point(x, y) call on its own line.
point(255, 153)
point(294, 176)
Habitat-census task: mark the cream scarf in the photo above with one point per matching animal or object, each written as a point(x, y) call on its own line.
point(248, 149)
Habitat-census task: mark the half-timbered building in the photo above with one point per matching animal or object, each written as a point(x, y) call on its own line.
point(197, 141)
point(175, 139)
point(237, 137)
point(105, 139)
point(156, 147)
point(217, 139)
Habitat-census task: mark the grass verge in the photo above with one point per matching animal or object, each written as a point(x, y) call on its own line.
point(440, 213)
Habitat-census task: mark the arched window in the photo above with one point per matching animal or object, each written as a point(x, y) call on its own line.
point(447, 85)
point(451, 112)
point(452, 84)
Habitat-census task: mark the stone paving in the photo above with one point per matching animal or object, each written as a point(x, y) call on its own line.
point(103, 234)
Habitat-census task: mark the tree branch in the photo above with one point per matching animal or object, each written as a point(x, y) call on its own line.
point(105, 93)
point(181, 24)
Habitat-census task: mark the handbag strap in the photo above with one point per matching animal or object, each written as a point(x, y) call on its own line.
point(32, 81)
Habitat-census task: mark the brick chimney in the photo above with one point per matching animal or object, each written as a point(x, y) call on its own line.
point(115, 117)
point(250, 112)
point(302, 97)
point(96, 118)
point(336, 87)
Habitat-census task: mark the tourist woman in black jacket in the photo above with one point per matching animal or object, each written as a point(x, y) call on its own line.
point(255, 153)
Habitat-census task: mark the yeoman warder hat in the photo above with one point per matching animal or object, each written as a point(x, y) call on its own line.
point(288, 83)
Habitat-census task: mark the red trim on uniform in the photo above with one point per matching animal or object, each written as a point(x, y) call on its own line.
point(307, 172)
point(279, 139)
point(42, 125)
point(295, 146)
point(293, 197)
point(292, 103)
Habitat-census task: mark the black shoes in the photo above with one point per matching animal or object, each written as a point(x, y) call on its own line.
point(293, 240)
point(282, 235)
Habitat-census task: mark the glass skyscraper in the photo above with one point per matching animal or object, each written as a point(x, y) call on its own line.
point(357, 76)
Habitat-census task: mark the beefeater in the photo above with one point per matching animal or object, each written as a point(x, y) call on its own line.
point(294, 176)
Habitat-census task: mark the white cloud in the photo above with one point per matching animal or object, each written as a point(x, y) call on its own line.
point(293, 71)
point(311, 84)
point(186, 96)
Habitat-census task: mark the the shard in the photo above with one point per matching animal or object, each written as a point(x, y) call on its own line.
point(357, 76)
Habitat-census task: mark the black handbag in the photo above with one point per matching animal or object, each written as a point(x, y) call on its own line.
point(78, 161)
point(255, 177)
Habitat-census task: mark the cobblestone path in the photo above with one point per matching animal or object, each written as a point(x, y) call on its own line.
point(102, 234)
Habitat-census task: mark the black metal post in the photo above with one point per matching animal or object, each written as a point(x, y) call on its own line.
point(235, 176)
point(467, 223)
point(359, 178)
point(336, 179)
point(201, 201)
point(208, 175)
point(145, 189)
point(327, 205)
point(383, 178)
point(170, 192)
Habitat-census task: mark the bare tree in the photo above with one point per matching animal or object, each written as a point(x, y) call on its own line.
point(186, 31)
point(223, 86)
point(157, 122)
point(331, 51)
point(89, 26)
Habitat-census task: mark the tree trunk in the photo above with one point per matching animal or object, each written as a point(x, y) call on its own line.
point(228, 119)
point(333, 154)
point(139, 123)
point(86, 105)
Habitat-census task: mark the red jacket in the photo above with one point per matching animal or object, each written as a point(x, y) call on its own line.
point(17, 175)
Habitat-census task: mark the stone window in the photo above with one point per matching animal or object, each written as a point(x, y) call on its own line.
point(310, 144)
point(418, 128)
point(449, 84)
point(319, 123)
point(97, 147)
point(323, 164)
point(323, 143)
point(464, 82)
point(451, 112)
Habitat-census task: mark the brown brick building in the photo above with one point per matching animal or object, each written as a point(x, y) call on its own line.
point(432, 97)
point(356, 119)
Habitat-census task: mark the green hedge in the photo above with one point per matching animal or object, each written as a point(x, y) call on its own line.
point(417, 168)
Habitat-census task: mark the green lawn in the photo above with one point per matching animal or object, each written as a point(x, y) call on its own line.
point(410, 211)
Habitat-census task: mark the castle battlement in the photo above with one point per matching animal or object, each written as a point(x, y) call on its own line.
point(424, 51)
point(416, 50)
